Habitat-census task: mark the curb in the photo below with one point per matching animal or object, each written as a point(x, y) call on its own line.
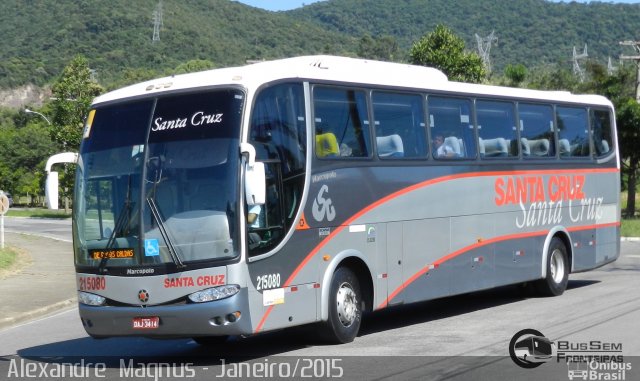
point(629, 239)
point(36, 313)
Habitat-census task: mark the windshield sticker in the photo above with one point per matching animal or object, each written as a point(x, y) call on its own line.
point(198, 119)
point(151, 248)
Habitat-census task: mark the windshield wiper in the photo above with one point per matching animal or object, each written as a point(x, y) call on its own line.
point(121, 224)
point(153, 207)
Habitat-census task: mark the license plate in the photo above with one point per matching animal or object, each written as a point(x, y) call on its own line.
point(146, 322)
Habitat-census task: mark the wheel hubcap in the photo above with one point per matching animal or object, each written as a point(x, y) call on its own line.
point(346, 304)
point(557, 266)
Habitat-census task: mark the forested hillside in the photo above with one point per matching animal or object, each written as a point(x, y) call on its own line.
point(39, 37)
point(531, 32)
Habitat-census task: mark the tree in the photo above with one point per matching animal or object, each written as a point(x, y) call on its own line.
point(72, 96)
point(23, 154)
point(194, 66)
point(384, 48)
point(444, 50)
point(628, 118)
point(515, 74)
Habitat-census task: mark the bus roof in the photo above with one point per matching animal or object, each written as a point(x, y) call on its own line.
point(338, 69)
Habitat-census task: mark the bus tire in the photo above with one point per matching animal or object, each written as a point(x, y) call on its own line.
point(345, 307)
point(557, 277)
point(210, 340)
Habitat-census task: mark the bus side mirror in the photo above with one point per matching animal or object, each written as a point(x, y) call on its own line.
point(51, 190)
point(255, 184)
point(255, 180)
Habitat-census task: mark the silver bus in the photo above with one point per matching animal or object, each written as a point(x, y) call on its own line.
point(311, 189)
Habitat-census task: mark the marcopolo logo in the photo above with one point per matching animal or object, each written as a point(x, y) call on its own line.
point(530, 348)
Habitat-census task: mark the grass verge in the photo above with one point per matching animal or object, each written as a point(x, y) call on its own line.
point(630, 227)
point(41, 213)
point(7, 258)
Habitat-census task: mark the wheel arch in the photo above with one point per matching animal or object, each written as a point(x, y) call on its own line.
point(359, 264)
point(562, 233)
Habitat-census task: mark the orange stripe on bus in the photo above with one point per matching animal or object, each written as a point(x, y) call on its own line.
point(440, 261)
point(411, 188)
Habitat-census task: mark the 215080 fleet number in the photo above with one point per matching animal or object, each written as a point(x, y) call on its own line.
point(268, 281)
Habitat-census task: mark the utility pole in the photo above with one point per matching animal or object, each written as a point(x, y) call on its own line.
point(157, 22)
point(636, 58)
point(484, 46)
point(577, 70)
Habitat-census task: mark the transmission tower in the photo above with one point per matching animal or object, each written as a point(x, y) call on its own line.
point(636, 58)
point(577, 70)
point(157, 22)
point(484, 46)
point(610, 67)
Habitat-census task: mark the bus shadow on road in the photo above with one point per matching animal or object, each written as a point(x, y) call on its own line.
point(437, 309)
point(115, 351)
point(573, 284)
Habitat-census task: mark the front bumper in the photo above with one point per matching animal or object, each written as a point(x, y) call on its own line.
point(176, 321)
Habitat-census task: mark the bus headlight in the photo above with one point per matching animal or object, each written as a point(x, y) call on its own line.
point(214, 293)
point(91, 299)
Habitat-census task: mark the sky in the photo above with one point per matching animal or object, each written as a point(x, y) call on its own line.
point(278, 5)
point(284, 5)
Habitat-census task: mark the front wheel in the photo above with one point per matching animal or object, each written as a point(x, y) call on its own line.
point(557, 277)
point(345, 307)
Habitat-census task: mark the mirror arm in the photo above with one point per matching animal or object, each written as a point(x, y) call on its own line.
point(248, 151)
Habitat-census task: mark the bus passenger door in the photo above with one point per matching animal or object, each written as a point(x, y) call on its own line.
point(394, 251)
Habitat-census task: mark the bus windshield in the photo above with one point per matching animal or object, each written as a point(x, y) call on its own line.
point(157, 181)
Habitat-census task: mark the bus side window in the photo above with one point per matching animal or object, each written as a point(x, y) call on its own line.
point(536, 130)
point(573, 132)
point(341, 114)
point(452, 130)
point(399, 125)
point(601, 132)
point(496, 129)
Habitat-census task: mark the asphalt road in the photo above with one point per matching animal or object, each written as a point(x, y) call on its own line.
point(464, 337)
point(51, 228)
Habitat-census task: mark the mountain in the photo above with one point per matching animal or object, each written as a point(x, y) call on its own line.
point(531, 32)
point(40, 37)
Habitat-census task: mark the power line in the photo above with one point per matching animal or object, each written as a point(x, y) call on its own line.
point(636, 58)
point(610, 67)
point(577, 70)
point(484, 46)
point(157, 22)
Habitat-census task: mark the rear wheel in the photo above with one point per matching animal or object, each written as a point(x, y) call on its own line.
point(557, 277)
point(345, 307)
